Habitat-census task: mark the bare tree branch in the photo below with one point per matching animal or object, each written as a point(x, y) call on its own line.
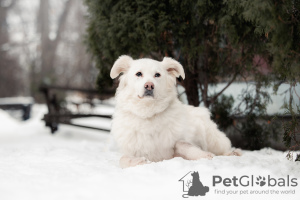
point(228, 84)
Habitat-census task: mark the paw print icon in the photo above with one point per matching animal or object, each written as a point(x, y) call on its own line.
point(261, 181)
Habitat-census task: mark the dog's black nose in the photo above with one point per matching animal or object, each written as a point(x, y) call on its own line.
point(149, 86)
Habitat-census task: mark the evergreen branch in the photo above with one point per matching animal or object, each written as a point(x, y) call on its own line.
point(285, 22)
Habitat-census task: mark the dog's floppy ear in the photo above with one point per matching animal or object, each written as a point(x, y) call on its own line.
point(122, 64)
point(173, 67)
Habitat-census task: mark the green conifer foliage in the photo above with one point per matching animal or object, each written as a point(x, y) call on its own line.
point(214, 40)
point(209, 39)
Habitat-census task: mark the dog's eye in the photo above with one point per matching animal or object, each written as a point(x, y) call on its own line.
point(157, 75)
point(139, 74)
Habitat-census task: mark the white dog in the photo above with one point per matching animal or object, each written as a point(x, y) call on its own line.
point(151, 124)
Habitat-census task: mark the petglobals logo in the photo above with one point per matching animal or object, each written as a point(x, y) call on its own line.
point(193, 185)
point(245, 181)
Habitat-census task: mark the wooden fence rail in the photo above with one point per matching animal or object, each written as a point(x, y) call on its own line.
point(58, 114)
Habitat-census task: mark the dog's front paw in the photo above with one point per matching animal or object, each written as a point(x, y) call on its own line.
point(131, 161)
point(208, 155)
point(139, 161)
point(234, 152)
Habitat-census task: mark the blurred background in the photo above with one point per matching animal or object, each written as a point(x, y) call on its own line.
point(42, 43)
point(241, 59)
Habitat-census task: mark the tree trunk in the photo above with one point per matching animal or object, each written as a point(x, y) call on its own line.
point(45, 72)
point(205, 92)
point(61, 27)
point(43, 28)
point(191, 88)
point(49, 47)
point(11, 80)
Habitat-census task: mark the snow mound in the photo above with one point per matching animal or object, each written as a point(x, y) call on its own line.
point(8, 123)
point(77, 163)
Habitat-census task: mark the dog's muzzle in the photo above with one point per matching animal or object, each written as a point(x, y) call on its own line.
point(148, 93)
point(149, 87)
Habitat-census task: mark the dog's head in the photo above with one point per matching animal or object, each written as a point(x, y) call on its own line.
point(146, 86)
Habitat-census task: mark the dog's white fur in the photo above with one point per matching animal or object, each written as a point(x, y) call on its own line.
point(159, 127)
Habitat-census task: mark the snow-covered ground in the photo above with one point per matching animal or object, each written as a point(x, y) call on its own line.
point(77, 163)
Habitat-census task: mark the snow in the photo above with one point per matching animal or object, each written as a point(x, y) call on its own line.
point(16, 100)
point(78, 163)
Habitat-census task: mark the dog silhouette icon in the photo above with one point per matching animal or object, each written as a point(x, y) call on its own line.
point(193, 187)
